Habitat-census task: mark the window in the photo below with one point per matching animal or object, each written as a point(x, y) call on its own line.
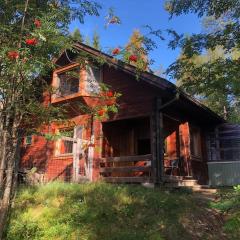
point(64, 145)
point(195, 142)
point(68, 82)
point(28, 140)
point(93, 79)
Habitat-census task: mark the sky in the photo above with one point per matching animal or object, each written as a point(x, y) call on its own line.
point(135, 14)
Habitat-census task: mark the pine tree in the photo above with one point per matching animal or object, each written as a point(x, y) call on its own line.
point(87, 41)
point(77, 36)
point(96, 40)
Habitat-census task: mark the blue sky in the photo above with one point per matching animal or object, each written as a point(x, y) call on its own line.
point(134, 14)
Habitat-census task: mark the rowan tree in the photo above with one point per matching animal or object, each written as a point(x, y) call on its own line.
point(32, 33)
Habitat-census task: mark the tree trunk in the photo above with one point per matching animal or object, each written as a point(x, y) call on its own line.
point(11, 157)
point(5, 203)
point(3, 160)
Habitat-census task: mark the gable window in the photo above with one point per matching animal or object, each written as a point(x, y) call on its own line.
point(93, 79)
point(68, 82)
point(195, 142)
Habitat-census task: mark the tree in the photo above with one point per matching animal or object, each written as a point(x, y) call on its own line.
point(135, 48)
point(31, 34)
point(221, 73)
point(87, 41)
point(96, 40)
point(219, 101)
point(77, 36)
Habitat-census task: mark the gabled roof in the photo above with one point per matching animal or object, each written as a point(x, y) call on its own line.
point(152, 79)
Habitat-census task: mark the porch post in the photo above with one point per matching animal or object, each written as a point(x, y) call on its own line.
point(157, 142)
point(153, 144)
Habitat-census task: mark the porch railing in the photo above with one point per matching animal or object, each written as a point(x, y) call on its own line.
point(126, 169)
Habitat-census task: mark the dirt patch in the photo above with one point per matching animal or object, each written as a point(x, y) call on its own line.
point(205, 224)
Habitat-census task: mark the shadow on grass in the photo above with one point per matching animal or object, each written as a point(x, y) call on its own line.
point(99, 211)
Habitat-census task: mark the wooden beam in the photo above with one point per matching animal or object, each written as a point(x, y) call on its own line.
point(136, 158)
point(158, 104)
point(161, 152)
point(125, 169)
point(153, 144)
point(159, 142)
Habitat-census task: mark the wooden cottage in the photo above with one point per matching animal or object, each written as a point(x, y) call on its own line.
point(159, 132)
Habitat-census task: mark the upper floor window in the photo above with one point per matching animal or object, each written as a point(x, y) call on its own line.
point(68, 82)
point(73, 81)
point(93, 79)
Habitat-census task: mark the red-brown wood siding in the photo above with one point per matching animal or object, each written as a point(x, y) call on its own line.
point(136, 101)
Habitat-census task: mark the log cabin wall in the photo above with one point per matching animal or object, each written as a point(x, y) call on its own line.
point(137, 101)
point(41, 153)
point(137, 96)
point(199, 168)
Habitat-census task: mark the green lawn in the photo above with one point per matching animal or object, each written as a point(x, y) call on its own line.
point(99, 211)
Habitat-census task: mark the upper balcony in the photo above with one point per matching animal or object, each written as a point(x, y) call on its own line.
point(73, 81)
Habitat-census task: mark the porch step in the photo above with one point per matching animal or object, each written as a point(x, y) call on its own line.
point(192, 185)
point(182, 183)
point(171, 179)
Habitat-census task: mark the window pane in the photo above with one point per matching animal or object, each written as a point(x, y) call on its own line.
point(68, 82)
point(28, 140)
point(66, 146)
point(93, 79)
point(78, 132)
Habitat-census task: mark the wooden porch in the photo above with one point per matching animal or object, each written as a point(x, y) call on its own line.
point(126, 169)
point(134, 151)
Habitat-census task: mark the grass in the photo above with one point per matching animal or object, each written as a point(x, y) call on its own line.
point(99, 211)
point(229, 205)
